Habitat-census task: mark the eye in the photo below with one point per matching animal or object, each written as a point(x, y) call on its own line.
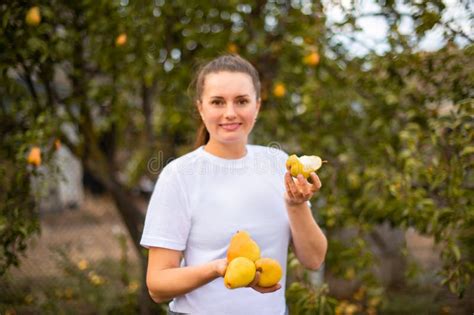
point(217, 102)
point(242, 101)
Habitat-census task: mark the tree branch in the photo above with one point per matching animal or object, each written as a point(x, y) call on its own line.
point(46, 78)
point(75, 149)
point(459, 32)
point(147, 97)
point(31, 86)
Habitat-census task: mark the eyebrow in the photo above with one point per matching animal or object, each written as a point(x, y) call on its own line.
point(238, 96)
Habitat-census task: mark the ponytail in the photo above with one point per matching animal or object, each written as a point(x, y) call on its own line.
point(202, 135)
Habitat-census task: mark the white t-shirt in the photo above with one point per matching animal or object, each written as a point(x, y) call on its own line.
point(199, 202)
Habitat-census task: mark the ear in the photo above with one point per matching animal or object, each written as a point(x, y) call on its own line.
point(199, 106)
point(259, 103)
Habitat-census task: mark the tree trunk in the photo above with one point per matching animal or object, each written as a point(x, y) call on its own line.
point(133, 217)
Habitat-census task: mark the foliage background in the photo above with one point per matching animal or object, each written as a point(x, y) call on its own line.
point(396, 126)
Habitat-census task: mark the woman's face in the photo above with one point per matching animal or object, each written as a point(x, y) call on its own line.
point(228, 106)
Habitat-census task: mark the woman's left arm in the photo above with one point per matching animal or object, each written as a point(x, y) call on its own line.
point(310, 244)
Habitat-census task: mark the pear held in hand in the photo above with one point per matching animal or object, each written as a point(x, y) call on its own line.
point(270, 272)
point(303, 165)
point(239, 273)
point(242, 245)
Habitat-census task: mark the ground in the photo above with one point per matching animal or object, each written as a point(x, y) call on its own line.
point(89, 233)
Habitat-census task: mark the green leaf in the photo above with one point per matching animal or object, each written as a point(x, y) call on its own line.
point(467, 150)
point(456, 252)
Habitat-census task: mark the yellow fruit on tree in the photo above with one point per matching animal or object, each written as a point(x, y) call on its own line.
point(33, 16)
point(279, 90)
point(242, 245)
point(270, 272)
point(232, 48)
point(303, 165)
point(312, 59)
point(34, 157)
point(57, 144)
point(121, 39)
point(239, 273)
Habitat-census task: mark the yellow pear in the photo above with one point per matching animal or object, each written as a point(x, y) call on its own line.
point(303, 165)
point(34, 157)
point(57, 144)
point(279, 90)
point(312, 59)
point(270, 272)
point(239, 273)
point(33, 16)
point(121, 39)
point(232, 48)
point(242, 245)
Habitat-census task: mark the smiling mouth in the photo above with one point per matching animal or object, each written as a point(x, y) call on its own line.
point(231, 126)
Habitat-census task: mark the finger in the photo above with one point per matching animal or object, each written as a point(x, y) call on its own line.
point(316, 182)
point(304, 186)
point(301, 180)
point(255, 280)
point(295, 190)
point(292, 184)
point(288, 182)
point(223, 266)
point(300, 186)
point(267, 290)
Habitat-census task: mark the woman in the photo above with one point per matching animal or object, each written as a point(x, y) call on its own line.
point(202, 198)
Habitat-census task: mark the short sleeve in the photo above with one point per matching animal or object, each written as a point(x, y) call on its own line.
point(167, 221)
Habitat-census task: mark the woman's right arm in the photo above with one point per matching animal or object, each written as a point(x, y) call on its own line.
point(165, 278)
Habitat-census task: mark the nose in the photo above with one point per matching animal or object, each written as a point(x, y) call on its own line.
point(229, 112)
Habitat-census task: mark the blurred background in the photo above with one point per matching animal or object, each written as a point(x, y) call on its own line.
point(94, 102)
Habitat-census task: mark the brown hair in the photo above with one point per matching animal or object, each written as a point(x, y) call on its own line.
point(230, 63)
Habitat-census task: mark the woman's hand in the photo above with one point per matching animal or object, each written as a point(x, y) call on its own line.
point(254, 285)
point(300, 191)
point(220, 266)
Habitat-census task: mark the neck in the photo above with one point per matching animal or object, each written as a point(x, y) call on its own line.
point(226, 151)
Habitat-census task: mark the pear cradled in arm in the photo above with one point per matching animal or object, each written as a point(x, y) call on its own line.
point(270, 272)
point(239, 273)
point(242, 245)
point(303, 165)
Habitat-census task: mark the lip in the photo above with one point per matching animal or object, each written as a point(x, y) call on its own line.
point(230, 126)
